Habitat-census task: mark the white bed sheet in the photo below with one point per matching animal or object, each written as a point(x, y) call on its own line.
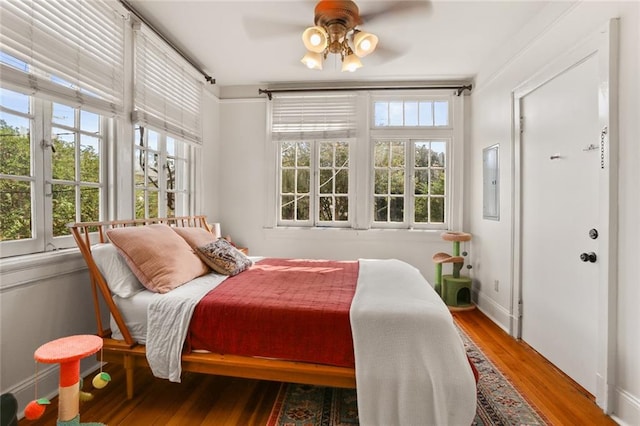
point(134, 313)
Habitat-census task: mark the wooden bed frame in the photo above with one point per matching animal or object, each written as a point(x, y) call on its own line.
point(131, 354)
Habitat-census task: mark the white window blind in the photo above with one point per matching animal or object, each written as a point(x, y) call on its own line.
point(168, 90)
point(71, 51)
point(305, 117)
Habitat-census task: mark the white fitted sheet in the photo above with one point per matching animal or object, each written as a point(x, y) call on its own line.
point(134, 313)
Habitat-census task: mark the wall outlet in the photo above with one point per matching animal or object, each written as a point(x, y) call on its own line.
point(496, 285)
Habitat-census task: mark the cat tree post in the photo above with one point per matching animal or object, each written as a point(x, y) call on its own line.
point(454, 289)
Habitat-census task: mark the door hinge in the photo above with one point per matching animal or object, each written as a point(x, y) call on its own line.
point(520, 309)
point(521, 124)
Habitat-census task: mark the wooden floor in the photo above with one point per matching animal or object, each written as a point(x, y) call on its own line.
point(209, 400)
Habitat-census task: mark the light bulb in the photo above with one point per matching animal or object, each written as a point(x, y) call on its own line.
point(364, 43)
point(315, 39)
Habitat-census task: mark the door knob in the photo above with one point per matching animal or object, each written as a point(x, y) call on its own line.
point(588, 257)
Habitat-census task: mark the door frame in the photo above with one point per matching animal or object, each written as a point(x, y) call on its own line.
point(604, 45)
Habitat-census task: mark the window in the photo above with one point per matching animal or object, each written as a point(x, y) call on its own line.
point(162, 174)
point(314, 135)
point(389, 181)
point(411, 113)
point(410, 172)
point(45, 185)
point(409, 167)
point(76, 167)
point(333, 185)
point(314, 183)
point(61, 86)
point(366, 160)
point(168, 131)
point(17, 179)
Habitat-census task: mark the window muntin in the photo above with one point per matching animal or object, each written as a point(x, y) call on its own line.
point(161, 174)
point(411, 113)
point(314, 183)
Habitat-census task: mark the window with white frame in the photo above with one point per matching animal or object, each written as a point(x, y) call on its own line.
point(162, 174)
point(409, 182)
point(314, 137)
point(168, 133)
point(314, 183)
point(61, 86)
point(52, 172)
point(397, 156)
point(410, 139)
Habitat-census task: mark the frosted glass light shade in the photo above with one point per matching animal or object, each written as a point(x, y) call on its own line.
point(351, 63)
point(315, 39)
point(313, 60)
point(364, 43)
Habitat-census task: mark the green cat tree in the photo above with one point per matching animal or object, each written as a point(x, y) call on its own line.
point(455, 289)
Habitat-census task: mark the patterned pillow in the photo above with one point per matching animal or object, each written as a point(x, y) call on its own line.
point(224, 258)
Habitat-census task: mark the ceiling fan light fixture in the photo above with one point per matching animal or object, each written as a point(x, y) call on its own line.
point(313, 60)
point(351, 63)
point(315, 39)
point(364, 43)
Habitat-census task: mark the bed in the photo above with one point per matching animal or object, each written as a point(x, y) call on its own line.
point(405, 355)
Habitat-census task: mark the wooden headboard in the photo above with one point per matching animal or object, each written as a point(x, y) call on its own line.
point(88, 233)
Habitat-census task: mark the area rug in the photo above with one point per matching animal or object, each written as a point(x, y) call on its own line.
point(499, 403)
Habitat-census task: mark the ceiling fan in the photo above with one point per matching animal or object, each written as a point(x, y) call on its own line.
point(336, 31)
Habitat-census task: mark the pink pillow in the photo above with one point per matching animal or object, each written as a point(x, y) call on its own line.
point(195, 237)
point(159, 257)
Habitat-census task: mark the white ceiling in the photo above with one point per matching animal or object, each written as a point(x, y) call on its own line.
point(257, 42)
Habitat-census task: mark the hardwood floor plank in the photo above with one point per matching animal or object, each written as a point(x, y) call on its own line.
point(559, 398)
point(215, 400)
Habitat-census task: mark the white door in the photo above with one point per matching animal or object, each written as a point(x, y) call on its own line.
point(559, 194)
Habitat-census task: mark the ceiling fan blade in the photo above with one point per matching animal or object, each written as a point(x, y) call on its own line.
point(259, 28)
point(385, 53)
point(397, 8)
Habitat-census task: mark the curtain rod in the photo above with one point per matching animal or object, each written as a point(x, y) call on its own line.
point(270, 92)
point(131, 9)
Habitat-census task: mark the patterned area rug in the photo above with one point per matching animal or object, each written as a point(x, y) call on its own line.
point(499, 403)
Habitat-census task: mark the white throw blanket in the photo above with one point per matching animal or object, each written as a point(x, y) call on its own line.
point(411, 365)
point(168, 318)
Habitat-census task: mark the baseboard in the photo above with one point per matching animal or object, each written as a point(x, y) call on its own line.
point(627, 411)
point(494, 311)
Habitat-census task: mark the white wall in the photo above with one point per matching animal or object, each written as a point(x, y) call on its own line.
point(491, 122)
point(42, 298)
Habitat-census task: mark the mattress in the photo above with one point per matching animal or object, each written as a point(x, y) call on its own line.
point(134, 313)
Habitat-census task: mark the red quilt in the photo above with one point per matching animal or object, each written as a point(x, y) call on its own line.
point(290, 309)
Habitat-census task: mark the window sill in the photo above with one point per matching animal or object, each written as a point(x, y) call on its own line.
point(20, 270)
